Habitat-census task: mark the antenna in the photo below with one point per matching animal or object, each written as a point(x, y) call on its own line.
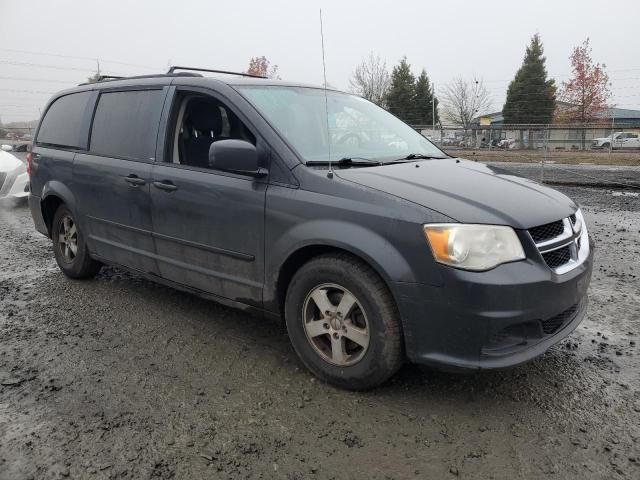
point(326, 101)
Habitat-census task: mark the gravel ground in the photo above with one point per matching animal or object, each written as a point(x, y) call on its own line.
point(120, 378)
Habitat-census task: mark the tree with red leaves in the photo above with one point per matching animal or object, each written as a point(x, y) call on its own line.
point(586, 93)
point(261, 67)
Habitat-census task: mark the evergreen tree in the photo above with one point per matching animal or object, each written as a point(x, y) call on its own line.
point(425, 97)
point(402, 92)
point(531, 97)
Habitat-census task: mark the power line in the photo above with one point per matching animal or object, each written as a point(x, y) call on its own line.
point(41, 80)
point(55, 67)
point(26, 91)
point(40, 65)
point(93, 59)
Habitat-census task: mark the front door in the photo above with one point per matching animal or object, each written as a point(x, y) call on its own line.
point(208, 225)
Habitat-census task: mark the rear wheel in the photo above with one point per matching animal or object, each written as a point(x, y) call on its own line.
point(343, 322)
point(69, 246)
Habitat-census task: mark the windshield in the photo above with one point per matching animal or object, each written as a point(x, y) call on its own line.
point(358, 129)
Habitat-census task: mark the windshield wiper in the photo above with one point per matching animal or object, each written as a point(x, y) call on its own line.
point(416, 156)
point(345, 161)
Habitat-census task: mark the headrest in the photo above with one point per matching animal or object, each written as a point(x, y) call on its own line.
point(204, 116)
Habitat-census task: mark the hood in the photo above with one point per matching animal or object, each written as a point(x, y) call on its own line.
point(9, 163)
point(466, 191)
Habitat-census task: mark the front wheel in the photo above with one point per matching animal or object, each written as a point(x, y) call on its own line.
point(343, 322)
point(69, 246)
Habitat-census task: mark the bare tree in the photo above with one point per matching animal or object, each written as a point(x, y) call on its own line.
point(463, 100)
point(371, 79)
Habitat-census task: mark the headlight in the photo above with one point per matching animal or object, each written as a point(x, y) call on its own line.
point(473, 247)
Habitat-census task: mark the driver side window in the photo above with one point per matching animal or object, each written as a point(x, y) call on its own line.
point(199, 121)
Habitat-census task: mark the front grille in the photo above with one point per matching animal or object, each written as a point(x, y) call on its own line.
point(553, 324)
point(3, 175)
point(557, 258)
point(547, 232)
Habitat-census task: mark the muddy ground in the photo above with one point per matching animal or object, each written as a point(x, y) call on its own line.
point(120, 378)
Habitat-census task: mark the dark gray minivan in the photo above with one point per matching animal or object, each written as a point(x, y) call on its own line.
point(316, 206)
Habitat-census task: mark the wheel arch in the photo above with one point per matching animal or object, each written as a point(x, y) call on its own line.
point(297, 258)
point(55, 194)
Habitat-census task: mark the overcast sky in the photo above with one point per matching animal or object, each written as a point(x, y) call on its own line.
point(50, 45)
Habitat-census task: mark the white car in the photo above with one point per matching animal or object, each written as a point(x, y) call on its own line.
point(14, 180)
point(617, 140)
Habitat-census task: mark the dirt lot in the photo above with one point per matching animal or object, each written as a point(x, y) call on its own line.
point(599, 157)
point(121, 378)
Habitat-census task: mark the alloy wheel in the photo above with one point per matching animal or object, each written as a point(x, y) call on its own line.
point(68, 239)
point(336, 325)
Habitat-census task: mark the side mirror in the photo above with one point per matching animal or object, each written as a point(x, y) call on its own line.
point(7, 148)
point(236, 156)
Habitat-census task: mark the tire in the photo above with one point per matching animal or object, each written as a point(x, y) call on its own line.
point(605, 146)
point(327, 348)
point(67, 237)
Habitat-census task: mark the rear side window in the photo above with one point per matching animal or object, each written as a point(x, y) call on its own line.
point(62, 124)
point(126, 123)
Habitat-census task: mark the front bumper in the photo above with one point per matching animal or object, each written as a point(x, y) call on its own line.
point(495, 319)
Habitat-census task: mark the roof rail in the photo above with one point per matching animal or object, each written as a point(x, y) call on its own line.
point(111, 78)
point(108, 77)
point(225, 72)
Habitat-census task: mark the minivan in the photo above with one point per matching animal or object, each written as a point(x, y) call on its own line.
point(315, 206)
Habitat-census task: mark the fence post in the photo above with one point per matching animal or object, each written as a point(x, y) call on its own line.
point(546, 152)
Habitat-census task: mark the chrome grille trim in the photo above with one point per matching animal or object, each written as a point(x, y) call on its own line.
point(574, 236)
point(567, 234)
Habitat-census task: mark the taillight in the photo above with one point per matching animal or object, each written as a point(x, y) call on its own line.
point(29, 165)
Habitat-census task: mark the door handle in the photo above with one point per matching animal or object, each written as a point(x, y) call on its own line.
point(165, 185)
point(134, 180)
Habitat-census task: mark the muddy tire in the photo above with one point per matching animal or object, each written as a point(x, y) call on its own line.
point(343, 322)
point(69, 246)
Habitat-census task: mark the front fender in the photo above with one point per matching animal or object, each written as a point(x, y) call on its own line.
point(360, 241)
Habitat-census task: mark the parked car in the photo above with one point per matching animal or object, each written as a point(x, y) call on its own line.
point(617, 140)
point(14, 181)
point(21, 147)
point(374, 252)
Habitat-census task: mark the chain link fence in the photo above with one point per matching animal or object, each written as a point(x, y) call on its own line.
point(596, 155)
point(554, 154)
point(536, 137)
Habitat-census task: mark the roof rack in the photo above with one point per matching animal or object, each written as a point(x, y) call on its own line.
point(225, 72)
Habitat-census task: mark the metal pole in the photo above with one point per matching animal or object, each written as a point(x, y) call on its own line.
point(433, 109)
point(546, 151)
point(613, 127)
